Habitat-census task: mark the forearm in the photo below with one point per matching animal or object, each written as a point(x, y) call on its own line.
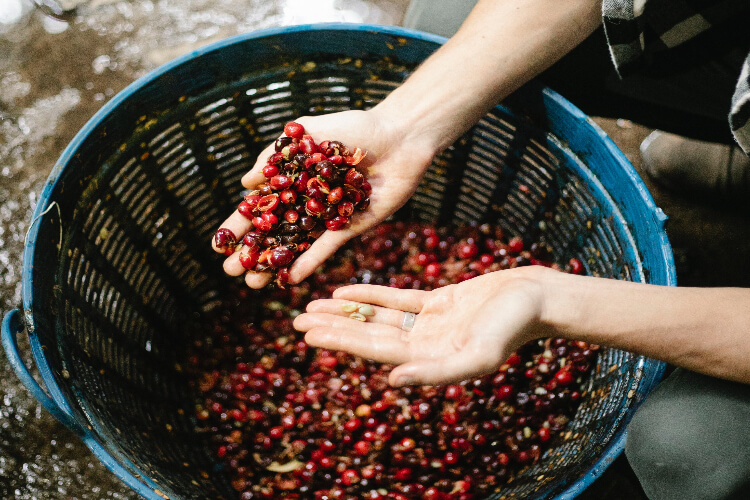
point(701, 329)
point(501, 45)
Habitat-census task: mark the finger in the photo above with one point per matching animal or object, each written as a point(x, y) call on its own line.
point(255, 175)
point(470, 362)
point(312, 319)
point(238, 224)
point(258, 280)
point(308, 321)
point(318, 253)
point(232, 264)
point(391, 298)
point(381, 348)
point(382, 315)
point(327, 244)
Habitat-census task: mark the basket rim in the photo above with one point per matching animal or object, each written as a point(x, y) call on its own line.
point(141, 482)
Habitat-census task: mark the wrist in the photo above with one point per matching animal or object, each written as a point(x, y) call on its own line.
point(556, 294)
point(478, 67)
point(558, 308)
point(432, 118)
point(407, 128)
point(522, 294)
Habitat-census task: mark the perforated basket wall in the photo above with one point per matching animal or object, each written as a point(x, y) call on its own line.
point(142, 188)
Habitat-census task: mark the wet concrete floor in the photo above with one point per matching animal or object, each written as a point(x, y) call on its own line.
point(55, 74)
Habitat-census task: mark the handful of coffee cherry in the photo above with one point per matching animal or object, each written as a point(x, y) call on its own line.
point(309, 187)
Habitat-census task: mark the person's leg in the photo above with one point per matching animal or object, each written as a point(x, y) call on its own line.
point(720, 171)
point(690, 439)
point(700, 155)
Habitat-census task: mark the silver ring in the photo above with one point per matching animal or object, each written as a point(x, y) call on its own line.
point(408, 322)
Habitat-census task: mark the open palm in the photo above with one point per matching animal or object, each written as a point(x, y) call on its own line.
point(461, 331)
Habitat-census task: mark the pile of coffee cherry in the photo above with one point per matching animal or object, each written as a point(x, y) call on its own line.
point(290, 421)
point(309, 188)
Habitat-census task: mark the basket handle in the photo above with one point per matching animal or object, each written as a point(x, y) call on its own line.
point(12, 324)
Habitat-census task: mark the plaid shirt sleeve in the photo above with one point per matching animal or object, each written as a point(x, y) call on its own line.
point(639, 31)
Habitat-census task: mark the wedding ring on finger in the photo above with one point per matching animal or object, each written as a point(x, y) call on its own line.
point(360, 312)
point(408, 322)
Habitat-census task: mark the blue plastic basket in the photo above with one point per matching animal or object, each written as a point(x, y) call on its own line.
point(116, 262)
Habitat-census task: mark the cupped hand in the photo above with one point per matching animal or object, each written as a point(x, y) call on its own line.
point(461, 331)
point(394, 162)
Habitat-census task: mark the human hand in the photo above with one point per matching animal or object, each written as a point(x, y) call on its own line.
point(395, 164)
point(461, 331)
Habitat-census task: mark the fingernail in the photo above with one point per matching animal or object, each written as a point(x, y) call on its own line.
point(405, 380)
point(293, 278)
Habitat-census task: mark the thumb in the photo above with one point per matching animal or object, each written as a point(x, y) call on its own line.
point(465, 364)
point(325, 246)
